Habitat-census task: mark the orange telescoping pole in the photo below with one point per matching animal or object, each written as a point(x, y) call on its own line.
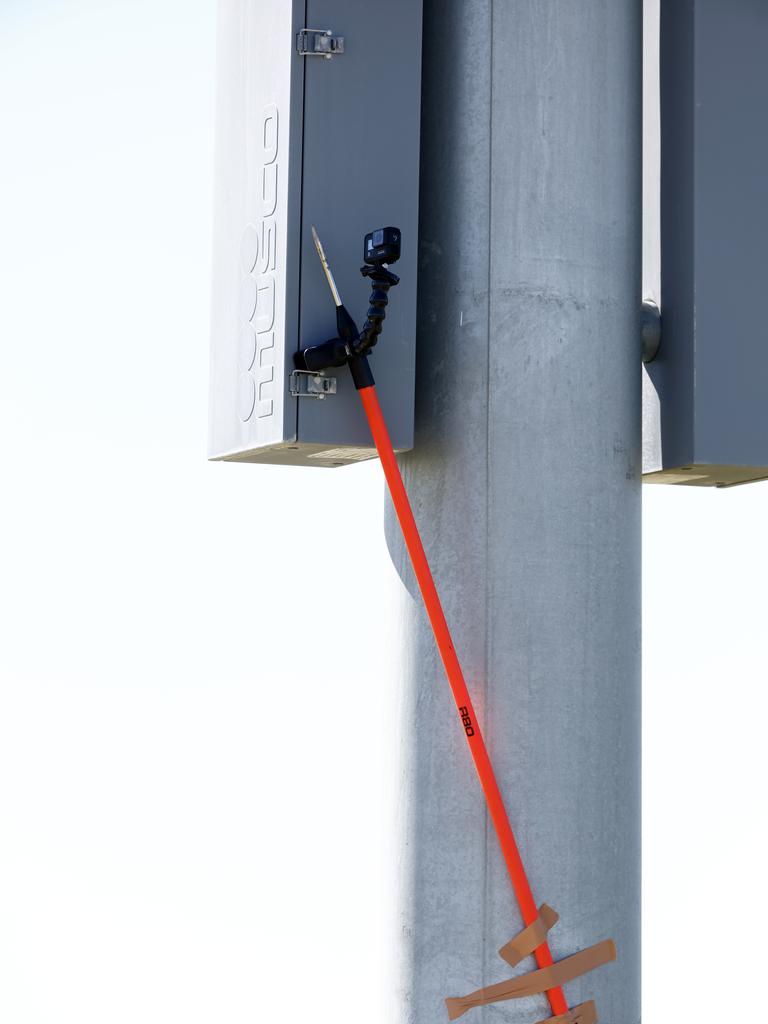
point(351, 348)
point(456, 679)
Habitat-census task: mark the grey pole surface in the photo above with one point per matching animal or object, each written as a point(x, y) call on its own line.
point(525, 483)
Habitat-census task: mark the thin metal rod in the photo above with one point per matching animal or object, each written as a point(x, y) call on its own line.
point(458, 685)
point(326, 267)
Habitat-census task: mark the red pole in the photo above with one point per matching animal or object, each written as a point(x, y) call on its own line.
point(457, 682)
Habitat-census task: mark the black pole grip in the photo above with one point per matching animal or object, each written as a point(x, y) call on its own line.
point(361, 372)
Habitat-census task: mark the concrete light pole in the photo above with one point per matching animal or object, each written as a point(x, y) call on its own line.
point(525, 482)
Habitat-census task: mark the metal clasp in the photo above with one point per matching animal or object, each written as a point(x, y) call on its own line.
point(319, 42)
point(306, 384)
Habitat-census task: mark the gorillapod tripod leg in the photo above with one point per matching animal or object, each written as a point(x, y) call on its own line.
point(456, 680)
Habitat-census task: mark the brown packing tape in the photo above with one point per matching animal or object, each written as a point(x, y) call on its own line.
point(584, 1013)
point(530, 938)
point(535, 982)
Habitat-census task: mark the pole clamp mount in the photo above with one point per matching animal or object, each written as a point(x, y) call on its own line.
point(319, 42)
point(308, 384)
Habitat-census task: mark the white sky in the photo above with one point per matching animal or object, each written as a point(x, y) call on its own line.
point(196, 808)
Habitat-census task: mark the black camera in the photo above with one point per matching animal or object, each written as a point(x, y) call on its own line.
point(382, 246)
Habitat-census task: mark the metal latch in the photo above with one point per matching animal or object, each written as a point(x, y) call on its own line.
point(319, 42)
point(305, 384)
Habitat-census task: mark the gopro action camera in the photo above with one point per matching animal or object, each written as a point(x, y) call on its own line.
point(382, 246)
